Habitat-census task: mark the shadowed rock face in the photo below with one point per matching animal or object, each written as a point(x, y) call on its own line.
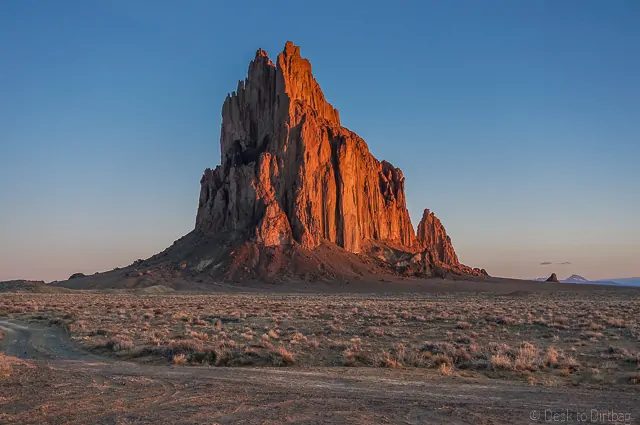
point(553, 278)
point(290, 173)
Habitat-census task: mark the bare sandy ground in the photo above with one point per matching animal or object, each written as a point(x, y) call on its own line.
point(60, 384)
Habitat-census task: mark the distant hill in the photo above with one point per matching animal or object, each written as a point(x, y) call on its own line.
point(21, 285)
point(627, 281)
point(574, 278)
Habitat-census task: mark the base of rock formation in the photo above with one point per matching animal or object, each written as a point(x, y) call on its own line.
point(230, 257)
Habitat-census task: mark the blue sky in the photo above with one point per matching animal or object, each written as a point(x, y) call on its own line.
point(516, 122)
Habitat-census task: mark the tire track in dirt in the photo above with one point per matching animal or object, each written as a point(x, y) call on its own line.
point(35, 341)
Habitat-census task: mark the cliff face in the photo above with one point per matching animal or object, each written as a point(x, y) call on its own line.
point(290, 171)
point(291, 174)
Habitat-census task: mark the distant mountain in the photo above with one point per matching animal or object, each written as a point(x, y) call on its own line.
point(574, 278)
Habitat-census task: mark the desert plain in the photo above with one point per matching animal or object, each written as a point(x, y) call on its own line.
point(527, 352)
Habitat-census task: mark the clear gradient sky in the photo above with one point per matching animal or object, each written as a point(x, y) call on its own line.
point(516, 122)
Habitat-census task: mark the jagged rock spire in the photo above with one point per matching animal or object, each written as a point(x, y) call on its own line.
point(290, 173)
point(285, 156)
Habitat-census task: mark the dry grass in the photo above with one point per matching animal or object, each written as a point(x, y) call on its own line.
point(538, 338)
point(446, 369)
point(179, 359)
point(501, 362)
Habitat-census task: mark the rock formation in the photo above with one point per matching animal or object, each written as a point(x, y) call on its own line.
point(290, 174)
point(290, 171)
point(433, 237)
point(435, 242)
point(553, 278)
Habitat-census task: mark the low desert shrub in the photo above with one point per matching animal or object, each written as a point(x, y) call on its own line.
point(526, 357)
point(440, 359)
point(446, 369)
point(281, 357)
point(386, 360)
point(551, 357)
point(119, 343)
point(207, 356)
point(505, 320)
point(500, 362)
point(179, 359)
point(464, 325)
point(185, 346)
point(616, 323)
point(569, 362)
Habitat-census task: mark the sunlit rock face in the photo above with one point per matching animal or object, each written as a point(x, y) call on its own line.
point(291, 174)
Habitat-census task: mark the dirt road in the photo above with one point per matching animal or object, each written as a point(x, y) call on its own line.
point(61, 384)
